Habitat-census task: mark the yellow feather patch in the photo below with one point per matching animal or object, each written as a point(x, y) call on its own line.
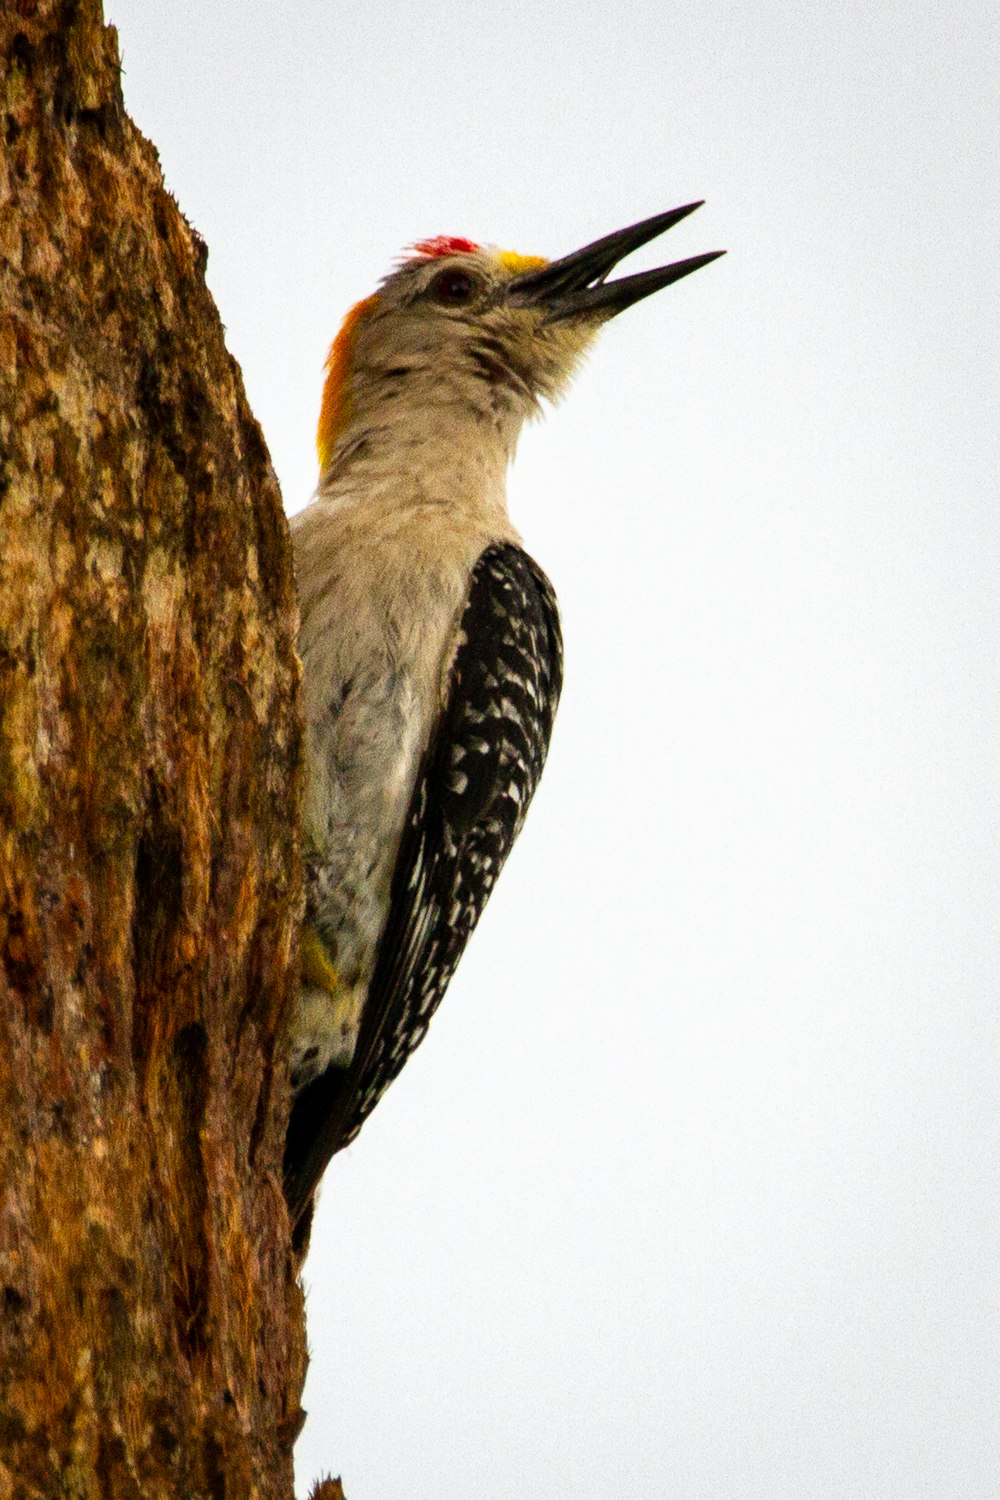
point(520, 264)
point(335, 412)
point(314, 962)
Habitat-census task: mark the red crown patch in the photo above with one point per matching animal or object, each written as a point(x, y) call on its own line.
point(444, 244)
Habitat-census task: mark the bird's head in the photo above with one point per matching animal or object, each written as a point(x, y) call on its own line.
point(479, 331)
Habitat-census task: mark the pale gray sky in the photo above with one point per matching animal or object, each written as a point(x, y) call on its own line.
point(692, 1192)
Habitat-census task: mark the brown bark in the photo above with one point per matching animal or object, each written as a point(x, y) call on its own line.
point(151, 1329)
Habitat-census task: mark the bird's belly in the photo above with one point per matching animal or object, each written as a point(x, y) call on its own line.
point(376, 643)
point(365, 762)
point(372, 765)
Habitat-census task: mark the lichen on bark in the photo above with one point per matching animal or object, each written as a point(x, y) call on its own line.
point(151, 1331)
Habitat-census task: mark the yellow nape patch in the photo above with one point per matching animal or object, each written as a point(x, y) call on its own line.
point(335, 412)
point(520, 264)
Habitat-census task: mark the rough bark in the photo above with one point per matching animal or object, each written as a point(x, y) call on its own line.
point(151, 1328)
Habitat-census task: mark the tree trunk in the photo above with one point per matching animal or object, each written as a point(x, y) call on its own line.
point(151, 1325)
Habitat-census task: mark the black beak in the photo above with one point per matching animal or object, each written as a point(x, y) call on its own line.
point(577, 283)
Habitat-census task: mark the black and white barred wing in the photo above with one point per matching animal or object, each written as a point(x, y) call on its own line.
point(478, 777)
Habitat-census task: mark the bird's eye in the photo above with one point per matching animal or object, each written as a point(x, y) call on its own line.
point(453, 287)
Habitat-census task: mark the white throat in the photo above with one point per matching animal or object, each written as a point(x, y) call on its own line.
point(427, 440)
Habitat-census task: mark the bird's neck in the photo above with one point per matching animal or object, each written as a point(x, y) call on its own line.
point(438, 451)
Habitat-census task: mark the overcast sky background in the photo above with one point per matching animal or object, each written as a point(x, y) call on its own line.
point(692, 1191)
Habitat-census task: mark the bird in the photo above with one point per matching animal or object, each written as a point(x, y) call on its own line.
point(430, 645)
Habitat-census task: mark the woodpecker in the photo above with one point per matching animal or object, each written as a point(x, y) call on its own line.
point(430, 645)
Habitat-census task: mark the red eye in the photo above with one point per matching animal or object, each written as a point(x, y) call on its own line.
point(453, 287)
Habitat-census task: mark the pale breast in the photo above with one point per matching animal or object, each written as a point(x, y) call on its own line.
point(379, 605)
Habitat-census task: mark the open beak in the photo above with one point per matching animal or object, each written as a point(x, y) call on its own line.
point(576, 284)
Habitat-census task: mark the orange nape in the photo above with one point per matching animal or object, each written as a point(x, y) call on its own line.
point(334, 413)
